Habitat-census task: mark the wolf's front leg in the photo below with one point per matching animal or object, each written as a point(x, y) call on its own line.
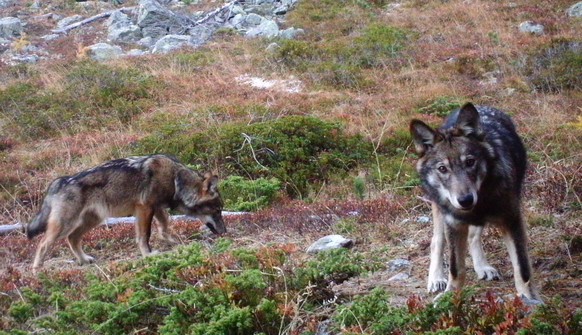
point(483, 269)
point(437, 281)
point(143, 229)
point(456, 234)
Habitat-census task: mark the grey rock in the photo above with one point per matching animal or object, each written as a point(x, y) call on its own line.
point(575, 10)
point(6, 3)
point(135, 53)
point(402, 276)
point(102, 52)
point(147, 42)
point(273, 47)
point(531, 28)
point(156, 20)
point(253, 20)
point(50, 37)
point(267, 29)
point(281, 10)
point(122, 29)
point(201, 34)
point(27, 59)
point(10, 27)
point(423, 219)
point(330, 242)
point(171, 42)
point(69, 20)
point(398, 264)
point(291, 33)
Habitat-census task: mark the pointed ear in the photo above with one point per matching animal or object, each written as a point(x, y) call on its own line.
point(469, 121)
point(210, 184)
point(423, 135)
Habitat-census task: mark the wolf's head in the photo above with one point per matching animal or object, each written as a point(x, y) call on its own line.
point(199, 197)
point(454, 161)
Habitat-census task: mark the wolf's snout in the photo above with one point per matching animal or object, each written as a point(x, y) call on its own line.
point(467, 201)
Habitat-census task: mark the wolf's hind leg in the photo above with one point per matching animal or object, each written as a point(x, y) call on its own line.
point(52, 233)
point(483, 269)
point(89, 221)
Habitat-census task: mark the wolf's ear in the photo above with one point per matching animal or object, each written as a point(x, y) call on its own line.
point(469, 121)
point(210, 184)
point(423, 135)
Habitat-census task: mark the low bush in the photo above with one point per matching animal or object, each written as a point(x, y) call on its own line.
point(556, 67)
point(92, 95)
point(454, 313)
point(441, 106)
point(300, 151)
point(240, 194)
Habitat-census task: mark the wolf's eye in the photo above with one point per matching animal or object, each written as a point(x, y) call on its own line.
point(442, 169)
point(470, 162)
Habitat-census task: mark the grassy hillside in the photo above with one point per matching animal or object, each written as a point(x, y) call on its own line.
point(333, 156)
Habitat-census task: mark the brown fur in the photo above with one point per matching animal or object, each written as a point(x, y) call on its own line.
point(141, 186)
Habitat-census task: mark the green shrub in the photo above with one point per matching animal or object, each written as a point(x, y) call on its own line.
point(440, 106)
point(339, 62)
point(93, 95)
point(556, 67)
point(240, 194)
point(300, 151)
point(372, 313)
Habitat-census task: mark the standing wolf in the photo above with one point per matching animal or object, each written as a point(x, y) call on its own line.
point(141, 186)
point(472, 170)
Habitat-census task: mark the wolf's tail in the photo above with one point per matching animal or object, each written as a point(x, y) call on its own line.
point(40, 221)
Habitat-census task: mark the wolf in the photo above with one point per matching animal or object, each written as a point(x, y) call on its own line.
point(141, 186)
point(472, 171)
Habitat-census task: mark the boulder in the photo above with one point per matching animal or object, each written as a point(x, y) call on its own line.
point(531, 28)
point(330, 242)
point(290, 33)
point(267, 28)
point(10, 27)
point(171, 42)
point(103, 52)
point(157, 21)
point(575, 10)
point(122, 29)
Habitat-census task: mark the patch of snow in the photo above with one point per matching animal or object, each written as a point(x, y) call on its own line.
point(291, 85)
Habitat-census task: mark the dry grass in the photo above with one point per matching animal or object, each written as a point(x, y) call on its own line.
point(456, 47)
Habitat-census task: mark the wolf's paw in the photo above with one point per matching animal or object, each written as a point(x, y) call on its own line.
point(487, 273)
point(152, 253)
point(86, 259)
point(170, 239)
point(436, 285)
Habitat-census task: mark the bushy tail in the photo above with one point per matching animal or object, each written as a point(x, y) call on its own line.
point(40, 221)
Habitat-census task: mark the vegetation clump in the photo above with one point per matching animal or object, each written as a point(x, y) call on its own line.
point(300, 151)
point(92, 95)
point(557, 67)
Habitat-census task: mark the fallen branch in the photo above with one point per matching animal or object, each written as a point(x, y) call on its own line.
point(72, 26)
point(214, 12)
point(6, 229)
